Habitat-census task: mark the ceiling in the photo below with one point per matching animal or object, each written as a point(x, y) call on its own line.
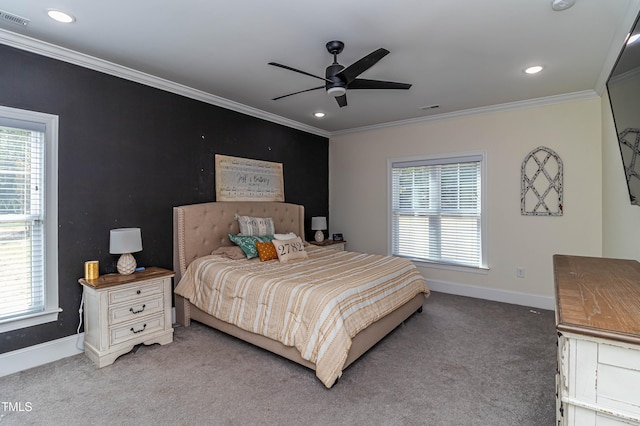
point(461, 55)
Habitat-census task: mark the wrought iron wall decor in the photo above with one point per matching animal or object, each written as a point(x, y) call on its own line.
point(629, 140)
point(541, 190)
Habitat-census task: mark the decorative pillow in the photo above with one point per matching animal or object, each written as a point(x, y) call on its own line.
point(289, 250)
point(266, 251)
point(230, 252)
point(248, 243)
point(258, 226)
point(288, 236)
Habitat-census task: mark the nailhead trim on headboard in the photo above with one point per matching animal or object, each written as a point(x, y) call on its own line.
point(183, 263)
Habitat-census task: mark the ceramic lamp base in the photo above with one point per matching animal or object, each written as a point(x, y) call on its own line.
point(126, 264)
point(319, 237)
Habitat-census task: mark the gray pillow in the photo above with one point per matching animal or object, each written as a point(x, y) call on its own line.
point(230, 252)
point(259, 226)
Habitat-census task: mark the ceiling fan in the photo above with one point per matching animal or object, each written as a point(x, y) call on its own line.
point(339, 79)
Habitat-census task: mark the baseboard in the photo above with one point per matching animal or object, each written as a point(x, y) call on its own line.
point(44, 353)
point(497, 295)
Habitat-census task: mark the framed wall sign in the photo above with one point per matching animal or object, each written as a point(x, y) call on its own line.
point(244, 179)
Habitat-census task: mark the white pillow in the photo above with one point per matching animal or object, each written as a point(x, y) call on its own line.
point(255, 226)
point(289, 250)
point(288, 236)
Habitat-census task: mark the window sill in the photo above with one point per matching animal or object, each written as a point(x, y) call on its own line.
point(470, 269)
point(29, 320)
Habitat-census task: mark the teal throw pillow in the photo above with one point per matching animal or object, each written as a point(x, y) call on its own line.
point(248, 243)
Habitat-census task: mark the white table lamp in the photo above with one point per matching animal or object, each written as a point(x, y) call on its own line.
point(319, 224)
point(125, 241)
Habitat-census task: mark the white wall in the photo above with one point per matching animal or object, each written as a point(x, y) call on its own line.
point(620, 219)
point(358, 192)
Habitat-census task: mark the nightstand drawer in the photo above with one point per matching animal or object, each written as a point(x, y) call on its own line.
point(336, 246)
point(135, 292)
point(330, 244)
point(138, 308)
point(136, 330)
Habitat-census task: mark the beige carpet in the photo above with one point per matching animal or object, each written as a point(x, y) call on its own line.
point(462, 361)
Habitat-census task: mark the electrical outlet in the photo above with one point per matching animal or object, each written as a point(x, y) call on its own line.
point(520, 272)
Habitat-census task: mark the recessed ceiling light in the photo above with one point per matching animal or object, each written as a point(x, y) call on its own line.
point(633, 39)
point(560, 5)
point(60, 16)
point(534, 70)
point(318, 114)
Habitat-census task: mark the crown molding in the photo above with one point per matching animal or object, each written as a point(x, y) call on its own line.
point(529, 103)
point(39, 47)
point(617, 44)
point(63, 54)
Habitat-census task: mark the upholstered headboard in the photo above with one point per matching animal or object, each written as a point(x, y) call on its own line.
point(198, 229)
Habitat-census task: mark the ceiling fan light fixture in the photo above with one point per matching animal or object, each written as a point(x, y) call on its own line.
point(338, 78)
point(336, 91)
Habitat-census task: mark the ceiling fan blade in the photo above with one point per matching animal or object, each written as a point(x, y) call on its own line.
point(275, 64)
point(342, 100)
point(362, 83)
point(295, 93)
point(354, 70)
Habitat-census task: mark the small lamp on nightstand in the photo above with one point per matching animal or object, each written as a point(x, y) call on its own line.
point(319, 224)
point(125, 241)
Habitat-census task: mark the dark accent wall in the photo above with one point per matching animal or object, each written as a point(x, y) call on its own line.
point(127, 154)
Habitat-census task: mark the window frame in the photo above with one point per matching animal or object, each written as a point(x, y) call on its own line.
point(51, 306)
point(446, 158)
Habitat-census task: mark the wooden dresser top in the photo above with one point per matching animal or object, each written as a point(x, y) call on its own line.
point(598, 297)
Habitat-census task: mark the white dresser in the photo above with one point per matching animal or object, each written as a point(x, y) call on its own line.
point(598, 324)
point(122, 311)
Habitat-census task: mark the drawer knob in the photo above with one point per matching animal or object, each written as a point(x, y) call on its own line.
point(138, 292)
point(137, 312)
point(139, 331)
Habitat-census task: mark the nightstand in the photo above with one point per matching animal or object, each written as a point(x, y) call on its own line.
point(330, 244)
point(121, 311)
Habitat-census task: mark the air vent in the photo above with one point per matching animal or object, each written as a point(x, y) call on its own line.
point(428, 107)
point(14, 19)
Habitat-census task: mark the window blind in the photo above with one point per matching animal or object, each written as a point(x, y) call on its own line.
point(436, 210)
point(22, 289)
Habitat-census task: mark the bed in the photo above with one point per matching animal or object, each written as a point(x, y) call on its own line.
point(199, 229)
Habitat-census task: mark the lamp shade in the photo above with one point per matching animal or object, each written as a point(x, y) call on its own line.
point(125, 240)
point(319, 223)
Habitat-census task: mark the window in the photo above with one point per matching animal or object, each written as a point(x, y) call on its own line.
point(436, 209)
point(28, 219)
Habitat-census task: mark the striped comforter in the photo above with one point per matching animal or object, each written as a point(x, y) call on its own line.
point(316, 305)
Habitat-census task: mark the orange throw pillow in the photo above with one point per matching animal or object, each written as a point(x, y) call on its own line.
point(266, 251)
